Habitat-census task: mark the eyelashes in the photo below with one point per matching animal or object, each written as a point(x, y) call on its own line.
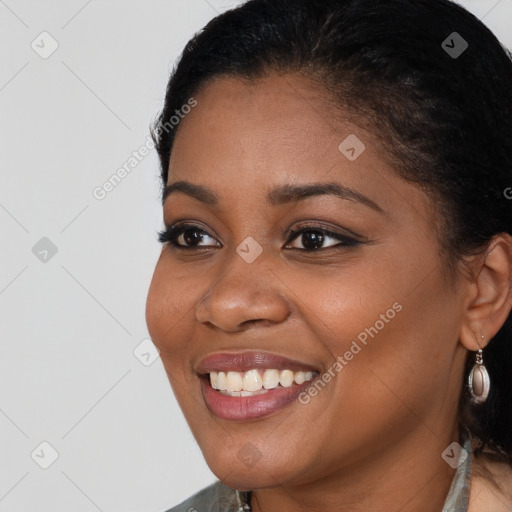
point(192, 233)
point(172, 233)
point(320, 234)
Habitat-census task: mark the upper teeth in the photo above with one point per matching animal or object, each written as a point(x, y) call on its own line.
point(255, 380)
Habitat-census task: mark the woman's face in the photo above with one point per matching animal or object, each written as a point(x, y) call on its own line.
point(374, 300)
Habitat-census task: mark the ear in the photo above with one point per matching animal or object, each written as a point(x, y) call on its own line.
point(490, 293)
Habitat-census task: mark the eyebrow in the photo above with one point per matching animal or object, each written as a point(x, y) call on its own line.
point(281, 195)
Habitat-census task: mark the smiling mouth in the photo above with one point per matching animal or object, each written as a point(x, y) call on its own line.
point(243, 405)
point(251, 385)
point(257, 381)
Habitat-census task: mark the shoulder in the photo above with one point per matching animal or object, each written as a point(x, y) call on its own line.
point(214, 498)
point(491, 486)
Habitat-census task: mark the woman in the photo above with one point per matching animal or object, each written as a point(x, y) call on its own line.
point(332, 303)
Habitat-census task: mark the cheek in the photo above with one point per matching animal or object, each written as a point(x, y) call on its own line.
point(157, 309)
point(170, 307)
point(392, 349)
point(392, 324)
point(167, 308)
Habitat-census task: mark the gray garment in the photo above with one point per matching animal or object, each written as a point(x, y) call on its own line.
point(458, 494)
point(220, 498)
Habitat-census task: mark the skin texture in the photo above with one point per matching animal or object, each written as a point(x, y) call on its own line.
point(372, 438)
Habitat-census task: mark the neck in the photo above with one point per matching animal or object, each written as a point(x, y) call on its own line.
point(408, 476)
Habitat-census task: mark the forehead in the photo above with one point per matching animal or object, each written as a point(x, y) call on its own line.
point(245, 138)
point(271, 116)
point(277, 125)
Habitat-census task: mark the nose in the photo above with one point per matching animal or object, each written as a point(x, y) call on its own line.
point(244, 294)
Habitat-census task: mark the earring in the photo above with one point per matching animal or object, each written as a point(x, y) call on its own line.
point(479, 381)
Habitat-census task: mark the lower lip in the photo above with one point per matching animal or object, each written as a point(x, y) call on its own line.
point(243, 408)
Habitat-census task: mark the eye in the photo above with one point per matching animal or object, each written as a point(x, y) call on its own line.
point(314, 237)
point(191, 236)
point(186, 236)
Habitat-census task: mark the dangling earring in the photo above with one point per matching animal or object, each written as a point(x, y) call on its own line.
point(479, 381)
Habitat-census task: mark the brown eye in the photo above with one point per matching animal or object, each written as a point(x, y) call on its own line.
point(315, 238)
point(186, 236)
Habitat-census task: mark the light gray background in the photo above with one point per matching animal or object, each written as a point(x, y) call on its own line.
point(70, 324)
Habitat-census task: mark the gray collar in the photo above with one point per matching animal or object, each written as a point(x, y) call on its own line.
point(458, 494)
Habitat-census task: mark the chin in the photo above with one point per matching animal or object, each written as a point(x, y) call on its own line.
point(251, 480)
point(244, 471)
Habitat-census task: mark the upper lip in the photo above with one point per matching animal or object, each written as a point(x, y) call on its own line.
point(244, 361)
